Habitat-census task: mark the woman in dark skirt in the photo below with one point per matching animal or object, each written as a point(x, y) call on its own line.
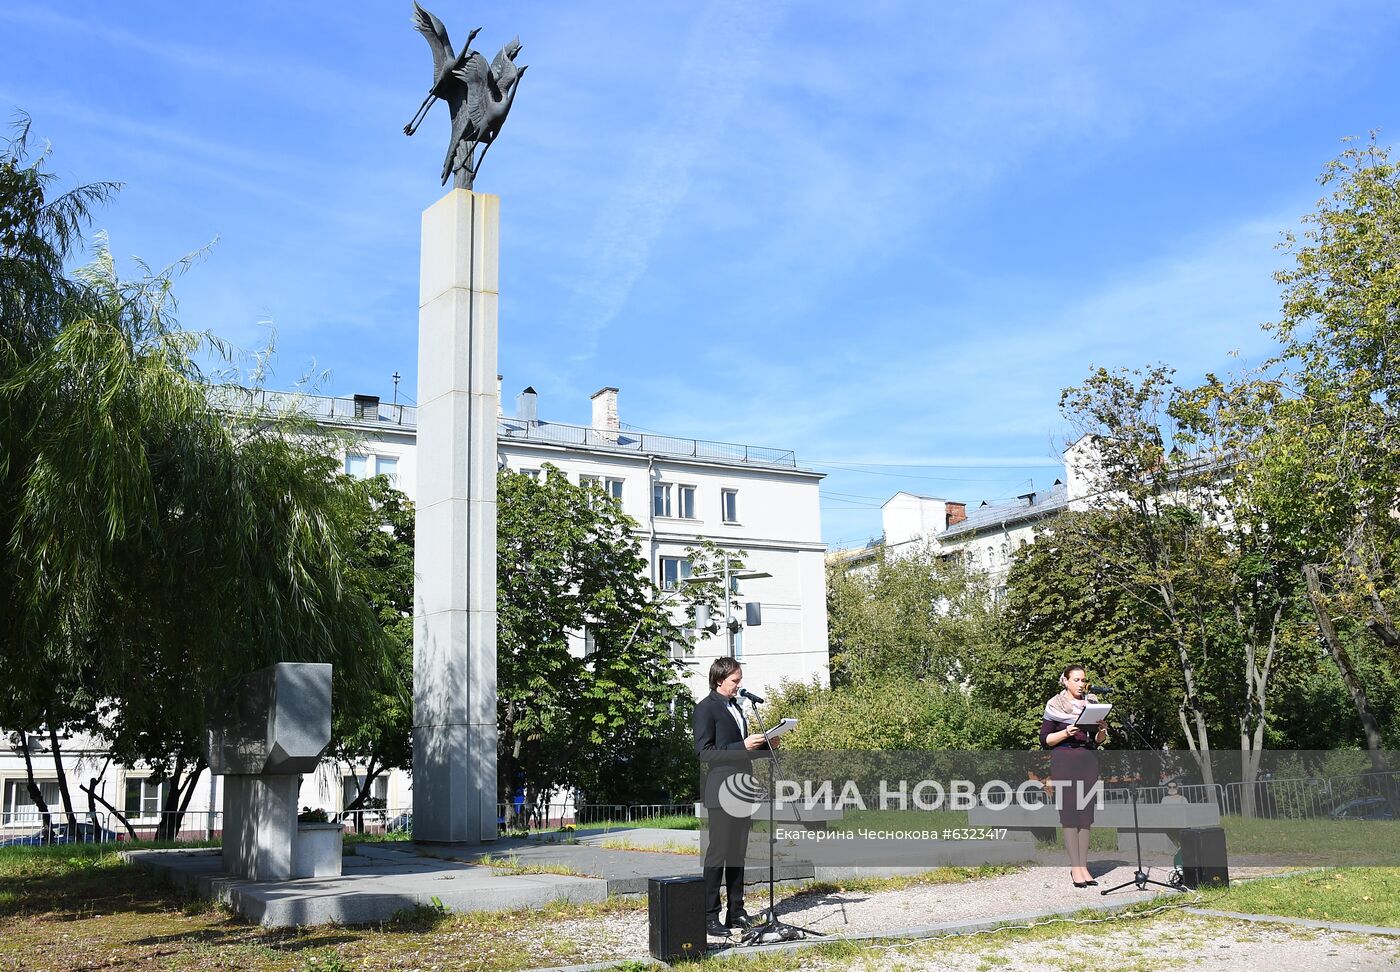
point(1073, 762)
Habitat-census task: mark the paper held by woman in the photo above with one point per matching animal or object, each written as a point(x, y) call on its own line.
point(1094, 712)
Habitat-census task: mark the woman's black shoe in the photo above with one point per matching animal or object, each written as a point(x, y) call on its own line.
point(1084, 884)
point(1091, 883)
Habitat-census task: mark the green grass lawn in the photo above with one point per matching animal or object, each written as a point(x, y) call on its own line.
point(1363, 895)
point(1358, 843)
point(81, 907)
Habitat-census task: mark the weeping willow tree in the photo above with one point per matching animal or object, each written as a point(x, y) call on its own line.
point(156, 544)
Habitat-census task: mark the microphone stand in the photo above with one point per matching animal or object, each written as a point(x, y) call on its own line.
point(771, 929)
point(1140, 879)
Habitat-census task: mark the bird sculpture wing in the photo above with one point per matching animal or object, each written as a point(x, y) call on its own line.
point(435, 34)
point(476, 74)
point(503, 69)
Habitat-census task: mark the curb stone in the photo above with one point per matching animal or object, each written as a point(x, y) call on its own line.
point(1300, 922)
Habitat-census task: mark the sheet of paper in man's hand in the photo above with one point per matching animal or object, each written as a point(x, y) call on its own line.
point(785, 726)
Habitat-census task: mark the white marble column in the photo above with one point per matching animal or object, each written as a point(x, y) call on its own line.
point(454, 631)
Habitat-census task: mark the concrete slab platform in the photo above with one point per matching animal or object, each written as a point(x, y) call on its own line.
point(379, 879)
point(374, 885)
point(625, 871)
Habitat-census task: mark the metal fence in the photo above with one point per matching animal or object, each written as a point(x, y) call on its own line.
point(26, 827)
point(1357, 796)
point(552, 816)
point(365, 410)
point(644, 443)
point(1301, 798)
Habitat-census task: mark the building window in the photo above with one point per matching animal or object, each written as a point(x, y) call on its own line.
point(532, 473)
point(388, 467)
point(674, 570)
point(729, 505)
point(360, 465)
point(144, 798)
point(586, 480)
point(660, 499)
point(590, 643)
point(613, 487)
point(685, 502)
point(19, 807)
point(378, 797)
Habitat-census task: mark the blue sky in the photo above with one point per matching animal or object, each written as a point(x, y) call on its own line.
point(884, 235)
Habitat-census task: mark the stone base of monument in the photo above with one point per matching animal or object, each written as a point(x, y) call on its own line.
point(377, 881)
point(318, 850)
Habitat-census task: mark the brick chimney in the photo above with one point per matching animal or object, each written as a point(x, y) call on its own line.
point(957, 512)
point(605, 420)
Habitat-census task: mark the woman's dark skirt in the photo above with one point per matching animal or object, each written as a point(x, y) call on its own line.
point(1079, 768)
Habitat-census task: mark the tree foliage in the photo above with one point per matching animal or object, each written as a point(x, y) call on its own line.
point(375, 730)
point(156, 544)
point(1320, 429)
point(891, 712)
point(916, 615)
point(1062, 608)
point(568, 563)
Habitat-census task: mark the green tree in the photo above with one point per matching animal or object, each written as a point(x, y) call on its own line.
point(568, 562)
point(1192, 546)
point(1162, 499)
point(156, 545)
point(1329, 418)
point(891, 713)
point(376, 732)
point(1062, 608)
point(916, 615)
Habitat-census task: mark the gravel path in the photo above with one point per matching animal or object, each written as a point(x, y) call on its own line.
point(1173, 940)
point(1169, 942)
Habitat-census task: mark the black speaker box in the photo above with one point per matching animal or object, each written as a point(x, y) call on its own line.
point(676, 917)
point(1203, 859)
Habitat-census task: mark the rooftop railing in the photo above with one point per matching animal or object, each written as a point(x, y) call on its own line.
point(644, 443)
point(364, 412)
point(322, 408)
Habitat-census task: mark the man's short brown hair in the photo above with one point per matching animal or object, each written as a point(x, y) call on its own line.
point(722, 668)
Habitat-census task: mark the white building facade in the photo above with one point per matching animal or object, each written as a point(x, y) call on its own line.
point(681, 492)
point(984, 537)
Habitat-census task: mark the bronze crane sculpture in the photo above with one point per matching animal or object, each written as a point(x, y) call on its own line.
point(478, 95)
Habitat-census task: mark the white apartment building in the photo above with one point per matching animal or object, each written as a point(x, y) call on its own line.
point(680, 491)
point(984, 536)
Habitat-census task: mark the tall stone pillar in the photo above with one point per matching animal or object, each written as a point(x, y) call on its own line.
point(454, 560)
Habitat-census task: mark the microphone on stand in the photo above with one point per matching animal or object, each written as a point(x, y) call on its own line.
point(1093, 689)
point(751, 697)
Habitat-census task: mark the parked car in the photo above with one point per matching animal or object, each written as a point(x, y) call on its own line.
point(1364, 808)
point(85, 834)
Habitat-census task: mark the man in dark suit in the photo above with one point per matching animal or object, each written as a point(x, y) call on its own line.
point(725, 746)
